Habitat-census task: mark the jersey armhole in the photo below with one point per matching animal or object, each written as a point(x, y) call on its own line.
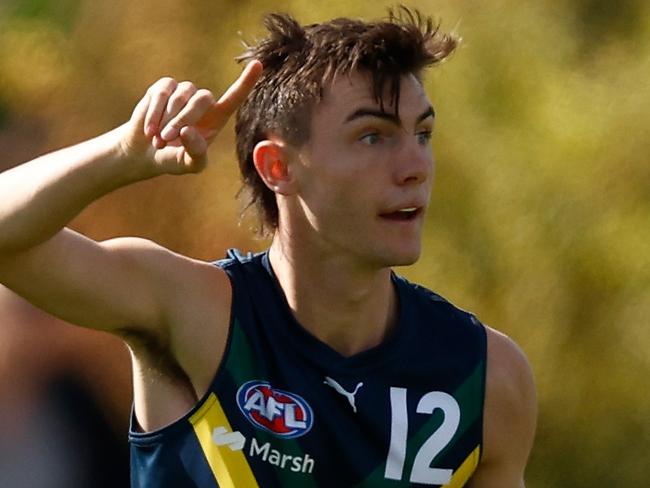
point(483, 354)
point(231, 325)
point(139, 437)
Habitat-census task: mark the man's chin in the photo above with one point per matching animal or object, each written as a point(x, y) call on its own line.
point(407, 261)
point(390, 256)
point(404, 258)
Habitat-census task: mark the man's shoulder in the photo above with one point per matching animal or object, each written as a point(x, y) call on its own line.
point(510, 377)
point(507, 346)
point(235, 259)
point(509, 371)
point(434, 303)
point(510, 410)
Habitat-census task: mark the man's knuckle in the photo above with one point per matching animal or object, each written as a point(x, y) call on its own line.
point(186, 86)
point(167, 81)
point(175, 123)
point(178, 99)
point(159, 95)
point(204, 96)
point(182, 94)
point(164, 87)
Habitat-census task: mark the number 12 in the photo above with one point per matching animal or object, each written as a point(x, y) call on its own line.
point(421, 472)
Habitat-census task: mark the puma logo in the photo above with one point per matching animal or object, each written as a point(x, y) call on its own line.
point(339, 389)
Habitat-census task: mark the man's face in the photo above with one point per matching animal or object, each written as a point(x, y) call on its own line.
point(364, 177)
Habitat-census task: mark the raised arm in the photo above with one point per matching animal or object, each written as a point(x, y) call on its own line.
point(120, 283)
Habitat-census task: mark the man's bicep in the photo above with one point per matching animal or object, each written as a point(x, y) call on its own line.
point(107, 286)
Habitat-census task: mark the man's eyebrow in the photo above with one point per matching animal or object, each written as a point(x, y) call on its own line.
point(391, 117)
point(429, 112)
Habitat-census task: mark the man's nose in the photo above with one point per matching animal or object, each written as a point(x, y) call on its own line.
point(415, 164)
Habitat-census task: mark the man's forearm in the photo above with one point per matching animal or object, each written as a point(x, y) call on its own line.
point(40, 197)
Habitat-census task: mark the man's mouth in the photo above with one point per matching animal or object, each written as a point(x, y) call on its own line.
point(403, 214)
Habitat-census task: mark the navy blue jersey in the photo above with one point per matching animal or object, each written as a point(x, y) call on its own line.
point(286, 410)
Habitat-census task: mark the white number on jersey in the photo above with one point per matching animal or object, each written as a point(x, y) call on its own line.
point(421, 471)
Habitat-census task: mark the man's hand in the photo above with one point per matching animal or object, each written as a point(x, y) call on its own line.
point(174, 123)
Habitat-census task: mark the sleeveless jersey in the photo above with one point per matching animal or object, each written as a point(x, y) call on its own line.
point(286, 410)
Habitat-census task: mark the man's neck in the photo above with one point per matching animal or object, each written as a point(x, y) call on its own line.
point(349, 308)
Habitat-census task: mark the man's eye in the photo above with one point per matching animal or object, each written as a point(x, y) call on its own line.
point(424, 137)
point(371, 139)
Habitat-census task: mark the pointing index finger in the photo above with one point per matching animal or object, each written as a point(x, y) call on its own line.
point(239, 90)
point(234, 95)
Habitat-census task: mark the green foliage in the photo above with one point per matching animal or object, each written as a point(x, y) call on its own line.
point(61, 12)
point(539, 220)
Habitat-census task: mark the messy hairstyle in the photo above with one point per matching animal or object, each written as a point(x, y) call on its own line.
point(300, 60)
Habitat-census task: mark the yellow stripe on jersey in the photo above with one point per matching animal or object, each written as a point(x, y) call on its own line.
point(230, 468)
point(465, 471)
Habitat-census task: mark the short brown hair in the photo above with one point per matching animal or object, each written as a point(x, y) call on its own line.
point(300, 60)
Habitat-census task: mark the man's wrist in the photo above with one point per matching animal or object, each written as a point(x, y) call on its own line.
point(134, 165)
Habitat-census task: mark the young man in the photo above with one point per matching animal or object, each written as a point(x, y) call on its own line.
point(311, 364)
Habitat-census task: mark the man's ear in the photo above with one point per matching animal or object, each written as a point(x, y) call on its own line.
point(271, 161)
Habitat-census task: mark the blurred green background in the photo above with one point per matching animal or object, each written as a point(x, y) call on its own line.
point(539, 218)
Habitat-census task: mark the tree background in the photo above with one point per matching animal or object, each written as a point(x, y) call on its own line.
point(539, 216)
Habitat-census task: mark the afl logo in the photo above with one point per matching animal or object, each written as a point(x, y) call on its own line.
point(277, 411)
